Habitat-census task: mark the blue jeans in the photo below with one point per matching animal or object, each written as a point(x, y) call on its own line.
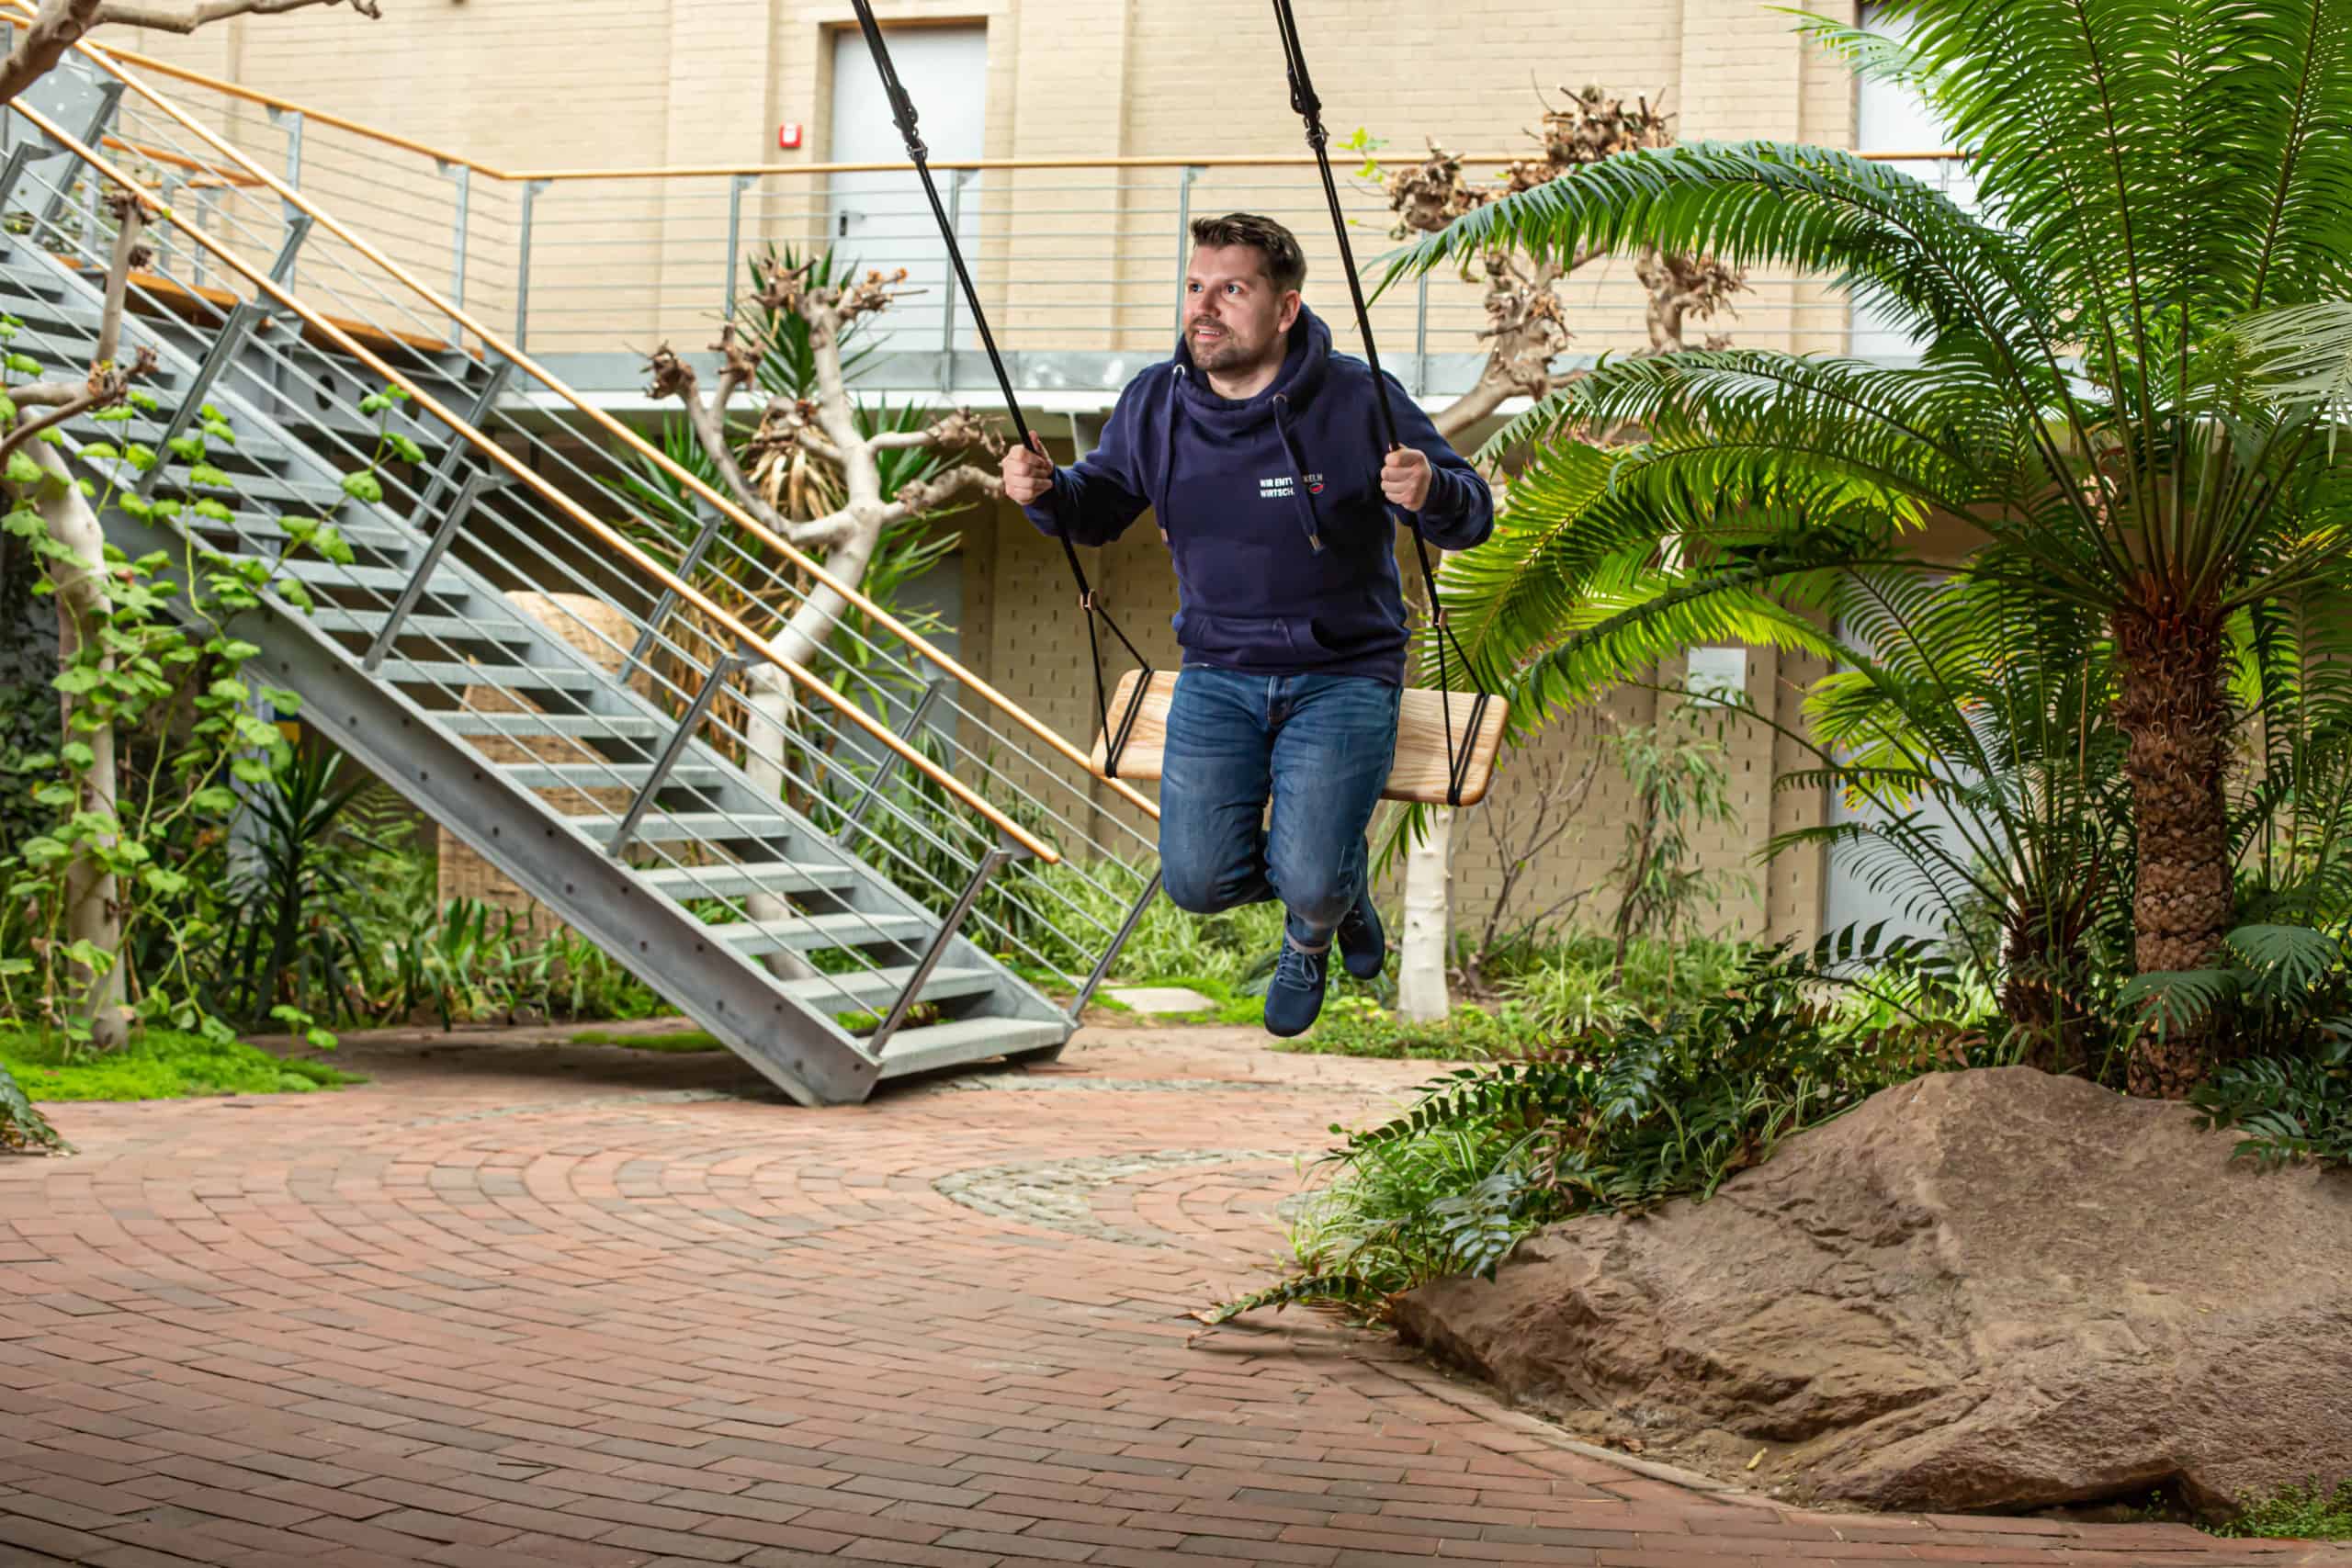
point(1318, 746)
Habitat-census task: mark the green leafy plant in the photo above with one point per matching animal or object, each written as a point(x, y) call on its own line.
point(1357, 1025)
point(157, 1063)
point(290, 935)
point(2291, 1109)
point(1621, 1118)
point(163, 728)
point(2080, 397)
point(1680, 786)
point(2313, 1511)
point(22, 1128)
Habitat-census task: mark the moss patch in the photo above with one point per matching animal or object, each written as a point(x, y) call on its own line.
point(158, 1064)
point(685, 1040)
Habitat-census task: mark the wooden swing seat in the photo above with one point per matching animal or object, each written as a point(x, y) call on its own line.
point(1417, 775)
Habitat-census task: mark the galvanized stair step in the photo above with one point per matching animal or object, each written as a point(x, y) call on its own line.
point(610, 776)
point(456, 676)
point(568, 725)
point(805, 933)
point(674, 827)
point(248, 450)
point(733, 878)
point(365, 536)
point(875, 990)
point(452, 629)
point(962, 1041)
point(55, 315)
point(23, 279)
point(317, 572)
point(311, 495)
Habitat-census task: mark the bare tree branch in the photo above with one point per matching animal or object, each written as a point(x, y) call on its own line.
point(130, 222)
point(822, 533)
point(960, 430)
point(67, 399)
point(935, 493)
point(46, 394)
point(741, 362)
point(673, 378)
point(788, 417)
point(207, 12)
point(61, 24)
point(54, 29)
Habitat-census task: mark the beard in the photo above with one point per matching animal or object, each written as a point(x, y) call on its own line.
point(1223, 351)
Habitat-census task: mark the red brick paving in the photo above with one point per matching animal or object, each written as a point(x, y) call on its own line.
point(565, 1306)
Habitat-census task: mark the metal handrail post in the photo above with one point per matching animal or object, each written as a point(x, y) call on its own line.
point(1421, 338)
point(736, 186)
point(246, 315)
point(889, 764)
point(1183, 236)
point(947, 306)
point(109, 102)
point(292, 120)
point(464, 175)
point(676, 747)
point(14, 170)
point(668, 603)
point(1005, 850)
point(1111, 953)
point(531, 189)
point(445, 534)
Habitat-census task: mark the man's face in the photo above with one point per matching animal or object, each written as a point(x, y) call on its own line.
point(1234, 317)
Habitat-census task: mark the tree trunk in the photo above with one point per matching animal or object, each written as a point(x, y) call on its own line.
point(92, 913)
point(768, 705)
point(1421, 951)
point(2171, 710)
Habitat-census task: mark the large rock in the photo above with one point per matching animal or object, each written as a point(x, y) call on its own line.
point(1982, 1291)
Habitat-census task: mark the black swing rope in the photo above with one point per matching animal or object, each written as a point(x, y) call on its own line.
point(903, 110)
point(1310, 109)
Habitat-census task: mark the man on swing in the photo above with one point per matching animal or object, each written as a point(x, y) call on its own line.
point(1257, 448)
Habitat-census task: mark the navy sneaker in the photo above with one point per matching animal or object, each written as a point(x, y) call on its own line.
point(1294, 995)
point(1362, 947)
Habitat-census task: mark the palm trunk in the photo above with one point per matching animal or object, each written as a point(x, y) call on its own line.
point(2171, 710)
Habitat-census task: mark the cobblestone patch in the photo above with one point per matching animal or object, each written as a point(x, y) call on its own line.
point(1059, 1194)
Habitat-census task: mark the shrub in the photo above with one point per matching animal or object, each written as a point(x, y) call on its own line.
point(1622, 1116)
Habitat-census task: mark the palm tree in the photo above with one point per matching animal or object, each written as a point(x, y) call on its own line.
point(2147, 175)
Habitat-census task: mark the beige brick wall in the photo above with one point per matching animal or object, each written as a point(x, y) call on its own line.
point(536, 84)
point(640, 83)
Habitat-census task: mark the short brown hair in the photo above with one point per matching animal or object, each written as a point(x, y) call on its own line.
point(1286, 263)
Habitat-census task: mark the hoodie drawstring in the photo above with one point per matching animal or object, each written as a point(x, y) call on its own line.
point(1299, 496)
point(1167, 444)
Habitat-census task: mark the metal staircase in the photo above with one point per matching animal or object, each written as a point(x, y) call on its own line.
point(549, 672)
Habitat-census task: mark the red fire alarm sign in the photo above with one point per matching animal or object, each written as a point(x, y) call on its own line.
point(787, 136)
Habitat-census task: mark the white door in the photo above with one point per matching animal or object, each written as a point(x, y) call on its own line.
point(1890, 118)
point(1865, 890)
point(884, 220)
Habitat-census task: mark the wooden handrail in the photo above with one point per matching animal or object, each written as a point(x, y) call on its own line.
point(685, 591)
point(308, 112)
point(623, 434)
point(220, 177)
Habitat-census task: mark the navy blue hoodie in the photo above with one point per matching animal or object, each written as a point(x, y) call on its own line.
point(1285, 553)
